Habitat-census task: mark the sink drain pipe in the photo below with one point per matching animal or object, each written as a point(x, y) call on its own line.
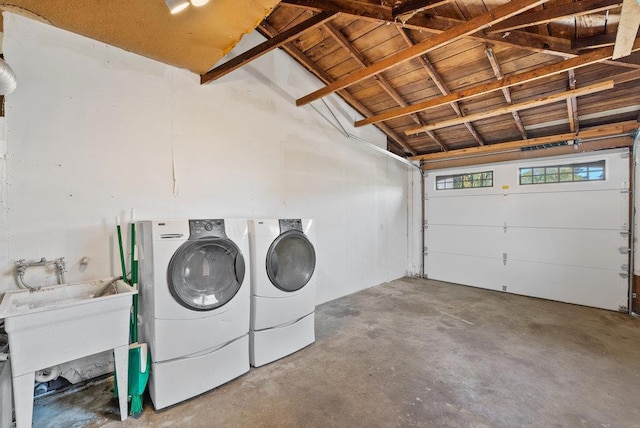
point(338, 126)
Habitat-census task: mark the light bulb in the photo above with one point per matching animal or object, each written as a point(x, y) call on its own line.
point(176, 6)
point(198, 3)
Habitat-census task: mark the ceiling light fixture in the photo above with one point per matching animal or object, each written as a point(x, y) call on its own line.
point(198, 3)
point(176, 6)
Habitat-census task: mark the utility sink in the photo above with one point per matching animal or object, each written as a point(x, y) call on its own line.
point(57, 324)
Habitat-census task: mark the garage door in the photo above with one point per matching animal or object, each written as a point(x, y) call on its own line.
point(555, 228)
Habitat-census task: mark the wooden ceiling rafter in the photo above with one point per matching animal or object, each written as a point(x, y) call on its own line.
point(554, 13)
point(435, 24)
point(588, 58)
point(380, 79)
point(471, 26)
point(506, 92)
point(268, 31)
point(549, 99)
point(412, 7)
point(440, 84)
point(266, 47)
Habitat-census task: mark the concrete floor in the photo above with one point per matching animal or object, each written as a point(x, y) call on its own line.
point(417, 352)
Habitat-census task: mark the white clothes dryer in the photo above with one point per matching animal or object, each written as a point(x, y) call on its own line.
point(194, 304)
point(283, 288)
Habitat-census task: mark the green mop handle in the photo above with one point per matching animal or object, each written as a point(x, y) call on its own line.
point(124, 268)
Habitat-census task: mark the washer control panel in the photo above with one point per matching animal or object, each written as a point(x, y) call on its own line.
point(290, 224)
point(206, 228)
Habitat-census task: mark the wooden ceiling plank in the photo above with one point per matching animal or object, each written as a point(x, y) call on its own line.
point(590, 89)
point(583, 60)
point(471, 26)
point(266, 47)
point(554, 13)
point(594, 42)
point(381, 80)
point(268, 31)
point(506, 92)
point(572, 104)
point(415, 6)
point(596, 132)
point(440, 83)
point(627, 28)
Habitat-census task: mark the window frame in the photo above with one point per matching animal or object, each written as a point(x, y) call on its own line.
point(451, 179)
point(577, 169)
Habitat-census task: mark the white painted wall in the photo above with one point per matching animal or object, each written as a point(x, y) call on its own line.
point(93, 131)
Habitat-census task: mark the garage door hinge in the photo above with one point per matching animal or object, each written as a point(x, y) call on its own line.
point(505, 227)
point(625, 191)
point(424, 226)
point(504, 258)
point(624, 250)
point(425, 251)
point(623, 309)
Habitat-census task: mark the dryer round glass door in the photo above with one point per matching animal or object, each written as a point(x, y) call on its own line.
point(205, 274)
point(291, 260)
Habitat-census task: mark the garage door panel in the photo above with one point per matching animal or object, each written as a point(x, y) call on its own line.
point(563, 240)
point(467, 270)
point(485, 241)
point(600, 288)
point(586, 210)
point(574, 247)
point(466, 210)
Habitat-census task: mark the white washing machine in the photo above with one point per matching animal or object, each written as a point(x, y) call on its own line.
point(283, 288)
point(194, 304)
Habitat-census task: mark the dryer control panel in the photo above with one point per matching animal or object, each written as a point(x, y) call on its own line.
point(290, 224)
point(206, 228)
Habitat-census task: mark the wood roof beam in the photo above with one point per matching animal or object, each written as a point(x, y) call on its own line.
point(440, 83)
point(506, 92)
point(266, 47)
point(550, 99)
point(585, 59)
point(554, 13)
point(627, 28)
point(412, 7)
point(516, 154)
point(590, 133)
point(471, 26)
point(268, 31)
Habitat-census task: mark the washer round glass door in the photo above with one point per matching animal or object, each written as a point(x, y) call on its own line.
point(205, 274)
point(291, 260)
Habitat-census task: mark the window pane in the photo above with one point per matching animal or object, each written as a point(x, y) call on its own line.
point(465, 181)
point(563, 173)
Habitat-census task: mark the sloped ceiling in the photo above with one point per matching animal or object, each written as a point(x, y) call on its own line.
point(195, 39)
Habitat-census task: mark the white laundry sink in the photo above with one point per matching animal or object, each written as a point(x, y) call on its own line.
point(57, 324)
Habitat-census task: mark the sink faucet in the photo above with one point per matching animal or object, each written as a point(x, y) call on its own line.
point(22, 265)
